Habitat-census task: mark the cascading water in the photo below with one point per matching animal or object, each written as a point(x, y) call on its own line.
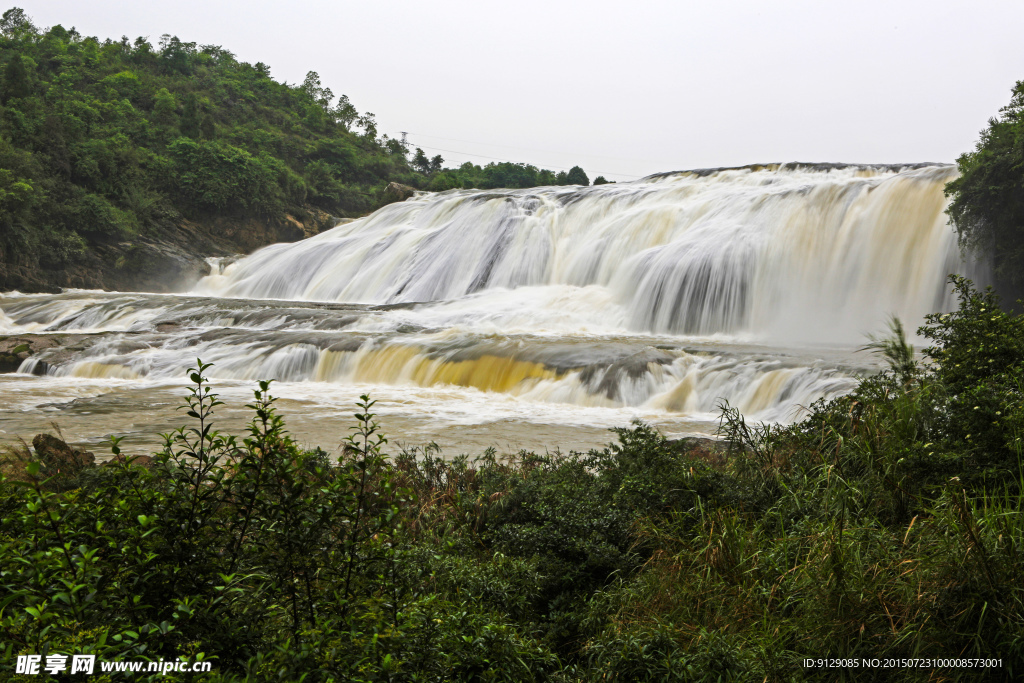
point(688, 253)
point(659, 298)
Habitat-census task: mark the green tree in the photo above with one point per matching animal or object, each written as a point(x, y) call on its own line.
point(17, 82)
point(576, 176)
point(420, 161)
point(368, 122)
point(206, 126)
point(16, 195)
point(345, 112)
point(220, 177)
point(165, 109)
point(15, 23)
point(190, 117)
point(177, 57)
point(987, 204)
point(601, 180)
point(319, 94)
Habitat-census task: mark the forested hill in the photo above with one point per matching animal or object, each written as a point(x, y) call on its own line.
point(122, 163)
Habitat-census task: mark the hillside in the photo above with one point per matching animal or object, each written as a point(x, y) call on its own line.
point(122, 163)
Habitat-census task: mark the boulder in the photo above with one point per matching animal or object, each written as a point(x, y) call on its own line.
point(59, 457)
point(317, 221)
point(396, 192)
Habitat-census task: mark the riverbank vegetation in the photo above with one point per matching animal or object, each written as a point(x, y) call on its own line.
point(107, 142)
point(885, 526)
point(987, 204)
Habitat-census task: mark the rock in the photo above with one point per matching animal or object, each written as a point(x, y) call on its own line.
point(10, 362)
point(160, 266)
point(15, 349)
point(25, 278)
point(40, 368)
point(396, 192)
point(169, 257)
point(58, 347)
point(59, 457)
point(318, 221)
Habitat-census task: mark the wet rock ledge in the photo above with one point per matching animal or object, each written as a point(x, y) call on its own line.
point(15, 349)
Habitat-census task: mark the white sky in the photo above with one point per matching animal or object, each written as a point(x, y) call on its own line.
point(624, 89)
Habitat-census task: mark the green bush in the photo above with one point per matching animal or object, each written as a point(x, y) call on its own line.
point(872, 529)
point(215, 176)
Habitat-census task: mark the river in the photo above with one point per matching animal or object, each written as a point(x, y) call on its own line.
point(516, 319)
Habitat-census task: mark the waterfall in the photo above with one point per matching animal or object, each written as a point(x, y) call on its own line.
point(659, 298)
point(780, 251)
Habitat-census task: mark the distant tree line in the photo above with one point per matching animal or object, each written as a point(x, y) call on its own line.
point(493, 175)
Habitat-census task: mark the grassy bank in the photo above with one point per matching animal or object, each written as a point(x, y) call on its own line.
point(886, 526)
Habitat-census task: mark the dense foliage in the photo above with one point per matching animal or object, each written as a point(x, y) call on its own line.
point(101, 139)
point(108, 140)
point(988, 198)
point(888, 524)
point(495, 175)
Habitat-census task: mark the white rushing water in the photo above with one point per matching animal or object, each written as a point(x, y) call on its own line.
point(659, 299)
point(821, 254)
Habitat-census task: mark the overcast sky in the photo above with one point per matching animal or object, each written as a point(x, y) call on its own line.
point(624, 89)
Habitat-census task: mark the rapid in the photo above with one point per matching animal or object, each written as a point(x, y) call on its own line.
point(530, 318)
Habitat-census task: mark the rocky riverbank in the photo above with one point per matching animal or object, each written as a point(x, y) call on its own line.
point(170, 257)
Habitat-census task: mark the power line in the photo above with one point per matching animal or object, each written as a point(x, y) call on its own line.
point(561, 168)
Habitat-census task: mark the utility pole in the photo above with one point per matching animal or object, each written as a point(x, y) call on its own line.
point(405, 142)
